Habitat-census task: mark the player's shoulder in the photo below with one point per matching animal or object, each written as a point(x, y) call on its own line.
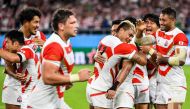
point(125, 48)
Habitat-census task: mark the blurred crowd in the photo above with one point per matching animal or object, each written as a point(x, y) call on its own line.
point(93, 14)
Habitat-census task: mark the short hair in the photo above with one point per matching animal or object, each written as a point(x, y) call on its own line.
point(116, 22)
point(131, 19)
point(15, 35)
point(169, 11)
point(28, 14)
point(153, 17)
point(60, 15)
point(126, 24)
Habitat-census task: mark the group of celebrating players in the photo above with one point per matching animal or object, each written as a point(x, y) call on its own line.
point(138, 64)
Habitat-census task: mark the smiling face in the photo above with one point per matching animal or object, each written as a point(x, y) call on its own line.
point(151, 26)
point(166, 22)
point(33, 25)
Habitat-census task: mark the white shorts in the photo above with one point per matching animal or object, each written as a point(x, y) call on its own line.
point(11, 96)
point(124, 99)
point(98, 98)
point(170, 94)
point(152, 89)
point(141, 94)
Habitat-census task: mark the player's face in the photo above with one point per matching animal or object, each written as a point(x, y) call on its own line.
point(11, 46)
point(71, 26)
point(113, 29)
point(165, 22)
point(33, 25)
point(126, 35)
point(151, 26)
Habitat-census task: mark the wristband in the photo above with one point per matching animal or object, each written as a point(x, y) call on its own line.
point(151, 52)
point(114, 87)
point(74, 77)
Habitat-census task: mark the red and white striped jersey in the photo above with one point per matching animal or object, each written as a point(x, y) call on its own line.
point(108, 73)
point(140, 75)
point(29, 41)
point(59, 53)
point(28, 67)
point(166, 43)
point(10, 81)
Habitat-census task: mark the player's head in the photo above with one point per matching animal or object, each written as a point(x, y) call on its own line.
point(30, 19)
point(115, 24)
point(167, 19)
point(152, 23)
point(65, 21)
point(14, 39)
point(126, 31)
point(131, 19)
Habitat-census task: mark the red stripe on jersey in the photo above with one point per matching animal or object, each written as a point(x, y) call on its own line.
point(163, 73)
point(165, 36)
point(69, 67)
point(144, 90)
point(138, 71)
point(68, 49)
point(96, 73)
point(181, 39)
point(163, 50)
point(130, 95)
point(90, 80)
point(96, 94)
point(29, 107)
point(136, 80)
point(27, 52)
point(124, 49)
point(59, 92)
point(152, 73)
point(42, 36)
point(108, 50)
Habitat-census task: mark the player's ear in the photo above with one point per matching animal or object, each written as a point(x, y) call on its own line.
point(61, 26)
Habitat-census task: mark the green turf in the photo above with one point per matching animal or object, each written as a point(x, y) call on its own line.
point(76, 96)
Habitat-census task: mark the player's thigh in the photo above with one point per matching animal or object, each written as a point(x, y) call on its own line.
point(11, 106)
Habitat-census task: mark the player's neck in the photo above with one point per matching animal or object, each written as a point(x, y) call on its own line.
point(25, 32)
point(172, 28)
point(62, 36)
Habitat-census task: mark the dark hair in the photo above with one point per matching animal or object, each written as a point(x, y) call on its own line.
point(60, 15)
point(169, 11)
point(15, 35)
point(153, 17)
point(116, 22)
point(131, 19)
point(28, 14)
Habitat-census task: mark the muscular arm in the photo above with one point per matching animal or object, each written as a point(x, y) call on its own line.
point(11, 57)
point(177, 60)
point(51, 76)
point(140, 58)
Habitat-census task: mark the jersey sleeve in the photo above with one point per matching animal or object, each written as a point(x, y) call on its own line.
point(26, 54)
point(181, 40)
point(125, 50)
point(53, 52)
